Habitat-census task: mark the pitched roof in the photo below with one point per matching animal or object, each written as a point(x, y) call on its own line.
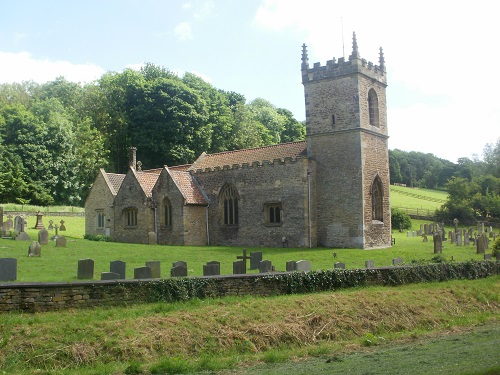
point(250, 155)
point(187, 186)
point(115, 180)
point(147, 180)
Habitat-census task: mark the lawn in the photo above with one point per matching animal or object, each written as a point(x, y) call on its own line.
point(414, 198)
point(60, 264)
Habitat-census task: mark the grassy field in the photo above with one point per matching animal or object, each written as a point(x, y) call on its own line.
point(424, 199)
point(60, 264)
point(299, 334)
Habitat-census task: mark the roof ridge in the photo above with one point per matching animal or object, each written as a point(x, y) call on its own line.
point(253, 148)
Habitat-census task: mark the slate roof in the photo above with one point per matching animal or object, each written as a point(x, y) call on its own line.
point(250, 155)
point(116, 181)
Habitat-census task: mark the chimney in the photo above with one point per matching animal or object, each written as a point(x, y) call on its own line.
point(132, 157)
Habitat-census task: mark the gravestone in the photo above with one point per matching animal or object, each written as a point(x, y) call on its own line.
point(459, 239)
point(244, 258)
point(85, 269)
point(255, 259)
point(152, 238)
point(408, 234)
point(426, 229)
point(453, 237)
point(155, 269)
point(303, 266)
point(110, 276)
point(142, 273)
point(438, 244)
point(61, 241)
point(480, 244)
point(51, 225)
point(39, 222)
point(239, 267)
point(211, 268)
point(179, 270)
point(23, 236)
point(1, 217)
point(8, 224)
point(34, 249)
point(290, 266)
point(119, 267)
point(466, 239)
point(369, 264)
point(340, 265)
point(455, 223)
point(43, 237)
point(487, 257)
point(265, 266)
point(56, 236)
point(424, 238)
point(62, 227)
point(397, 261)
point(19, 224)
point(8, 269)
point(180, 263)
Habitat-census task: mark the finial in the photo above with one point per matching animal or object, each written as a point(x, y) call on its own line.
point(305, 60)
point(381, 60)
point(355, 52)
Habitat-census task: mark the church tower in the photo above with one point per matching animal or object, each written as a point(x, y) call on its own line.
point(346, 121)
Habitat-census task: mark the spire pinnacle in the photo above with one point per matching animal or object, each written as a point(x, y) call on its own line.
point(305, 59)
point(381, 60)
point(355, 52)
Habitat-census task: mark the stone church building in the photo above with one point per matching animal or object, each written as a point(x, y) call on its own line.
point(330, 190)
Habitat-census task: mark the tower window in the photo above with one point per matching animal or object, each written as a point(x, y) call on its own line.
point(373, 107)
point(229, 200)
point(377, 199)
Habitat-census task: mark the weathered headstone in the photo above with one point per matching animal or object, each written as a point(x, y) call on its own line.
point(119, 267)
point(155, 269)
point(8, 224)
point(455, 223)
point(290, 266)
point(397, 261)
point(19, 224)
point(424, 238)
point(255, 259)
point(51, 225)
point(85, 269)
point(179, 270)
point(43, 237)
point(23, 236)
point(8, 269)
point(152, 238)
point(180, 263)
point(244, 258)
point(487, 257)
point(110, 276)
point(340, 265)
point(459, 239)
point(438, 244)
point(239, 267)
point(369, 264)
point(453, 237)
point(62, 228)
point(426, 229)
point(481, 244)
point(39, 222)
point(211, 268)
point(61, 241)
point(303, 266)
point(265, 266)
point(466, 239)
point(142, 273)
point(34, 249)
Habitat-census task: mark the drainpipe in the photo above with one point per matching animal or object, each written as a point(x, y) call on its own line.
point(309, 206)
point(206, 220)
point(156, 225)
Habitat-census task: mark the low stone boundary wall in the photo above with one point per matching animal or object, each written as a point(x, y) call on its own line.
point(38, 297)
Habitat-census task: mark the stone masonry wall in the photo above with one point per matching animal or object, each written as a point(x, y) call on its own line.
point(99, 199)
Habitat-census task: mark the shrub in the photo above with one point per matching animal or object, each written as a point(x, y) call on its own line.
point(400, 219)
point(97, 237)
point(496, 248)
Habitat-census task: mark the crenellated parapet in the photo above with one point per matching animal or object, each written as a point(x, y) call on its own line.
point(341, 67)
point(256, 164)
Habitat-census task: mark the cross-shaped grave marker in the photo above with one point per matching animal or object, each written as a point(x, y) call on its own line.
point(244, 257)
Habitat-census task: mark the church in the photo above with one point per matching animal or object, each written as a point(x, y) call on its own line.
point(331, 190)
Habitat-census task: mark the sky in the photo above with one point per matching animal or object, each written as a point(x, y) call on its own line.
point(443, 85)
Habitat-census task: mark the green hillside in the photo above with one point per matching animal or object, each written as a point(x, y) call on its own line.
point(416, 198)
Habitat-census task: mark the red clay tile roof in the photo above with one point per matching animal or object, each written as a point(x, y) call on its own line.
point(187, 186)
point(182, 168)
point(250, 155)
point(147, 180)
point(116, 181)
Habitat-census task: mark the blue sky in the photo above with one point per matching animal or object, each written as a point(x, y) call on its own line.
point(441, 56)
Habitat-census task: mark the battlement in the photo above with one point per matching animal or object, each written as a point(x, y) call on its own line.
point(334, 68)
point(255, 164)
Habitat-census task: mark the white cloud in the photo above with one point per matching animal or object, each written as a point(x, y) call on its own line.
point(183, 31)
point(22, 66)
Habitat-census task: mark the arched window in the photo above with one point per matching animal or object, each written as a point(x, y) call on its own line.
point(229, 205)
point(373, 107)
point(167, 213)
point(273, 213)
point(130, 217)
point(377, 193)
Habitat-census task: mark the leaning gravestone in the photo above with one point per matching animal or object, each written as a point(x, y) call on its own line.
point(255, 259)
point(339, 265)
point(119, 267)
point(369, 264)
point(34, 249)
point(8, 269)
point(109, 276)
point(142, 273)
point(303, 266)
point(239, 267)
point(43, 237)
point(397, 261)
point(265, 266)
point(211, 268)
point(438, 244)
point(86, 269)
point(61, 241)
point(155, 269)
point(179, 270)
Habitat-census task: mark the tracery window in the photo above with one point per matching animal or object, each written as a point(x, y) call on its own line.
point(274, 213)
point(130, 217)
point(229, 200)
point(377, 193)
point(100, 219)
point(373, 107)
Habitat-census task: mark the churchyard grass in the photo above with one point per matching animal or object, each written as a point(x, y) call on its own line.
point(330, 329)
point(60, 264)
